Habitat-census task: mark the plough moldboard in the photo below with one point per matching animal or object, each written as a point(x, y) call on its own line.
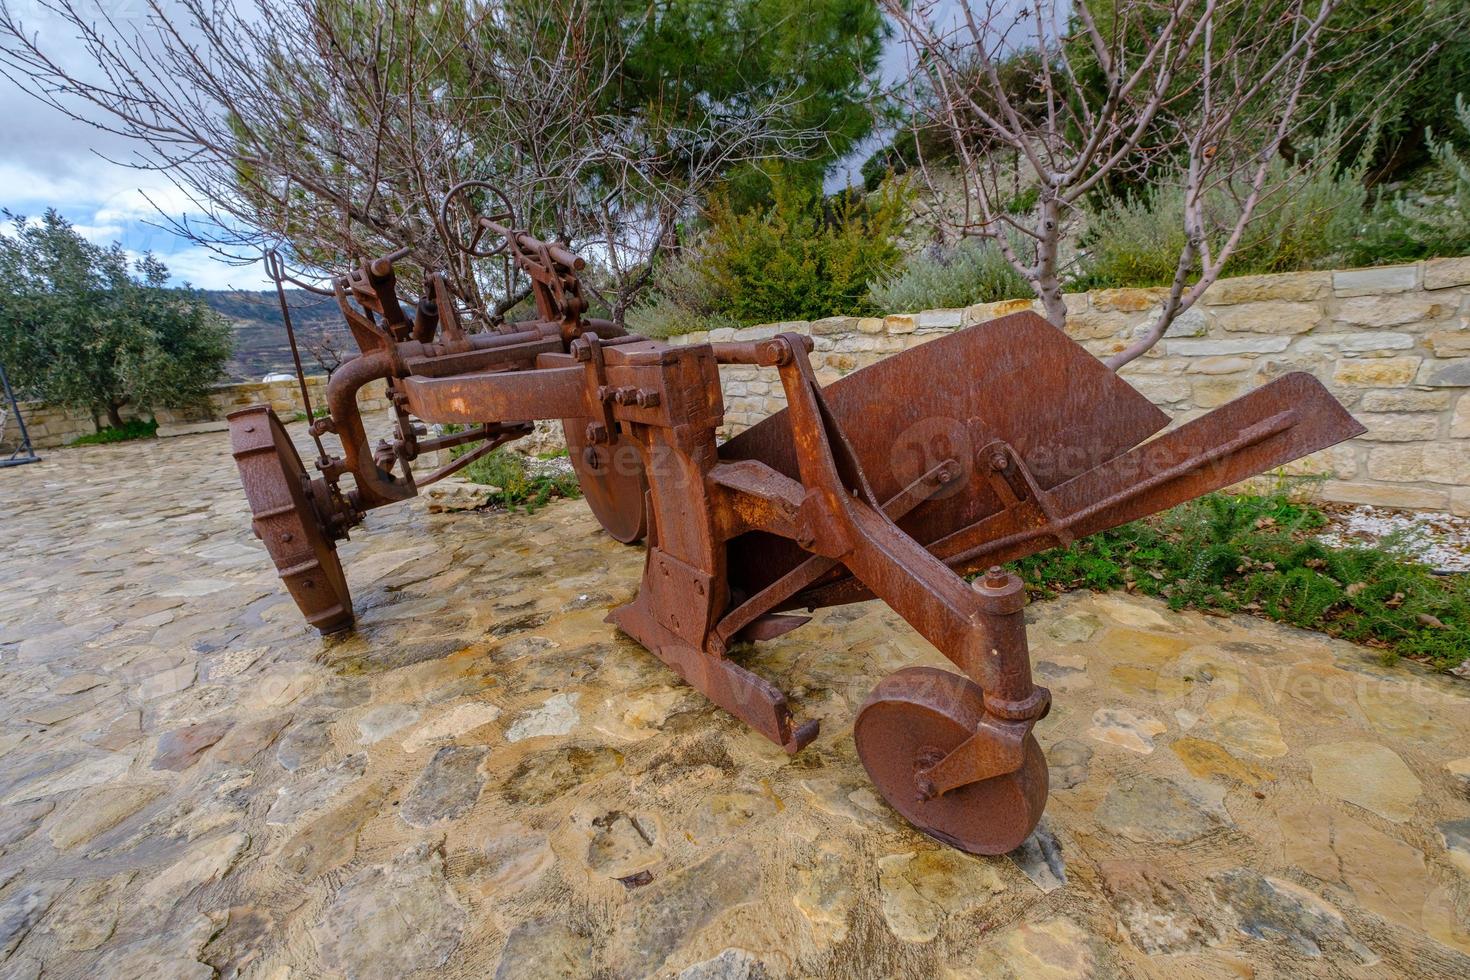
point(896, 482)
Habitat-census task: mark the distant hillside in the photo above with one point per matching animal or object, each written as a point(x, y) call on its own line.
point(261, 347)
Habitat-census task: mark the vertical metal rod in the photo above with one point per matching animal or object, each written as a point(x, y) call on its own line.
point(25, 436)
point(275, 268)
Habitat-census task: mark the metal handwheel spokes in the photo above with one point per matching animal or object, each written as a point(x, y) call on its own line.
point(503, 216)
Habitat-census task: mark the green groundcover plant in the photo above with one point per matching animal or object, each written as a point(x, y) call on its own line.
point(128, 431)
point(515, 483)
point(1258, 554)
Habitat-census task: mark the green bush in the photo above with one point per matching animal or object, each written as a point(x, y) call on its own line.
point(515, 484)
point(974, 271)
point(802, 258)
point(1414, 225)
point(1258, 554)
point(1307, 219)
point(799, 259)
point(128, 431)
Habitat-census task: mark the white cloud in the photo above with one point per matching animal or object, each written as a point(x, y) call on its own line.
point(201, 268)
point(99, 234)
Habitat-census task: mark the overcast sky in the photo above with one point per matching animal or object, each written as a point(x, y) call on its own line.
point(48, 160)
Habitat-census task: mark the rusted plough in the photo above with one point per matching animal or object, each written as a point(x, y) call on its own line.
point(895, 482)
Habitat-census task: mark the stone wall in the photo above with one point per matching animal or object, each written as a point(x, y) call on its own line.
point(51, 426)
point(1392, 344)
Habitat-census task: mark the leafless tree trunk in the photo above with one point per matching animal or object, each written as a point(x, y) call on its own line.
point(328, 350)
point(336, 128)
point(1114, 89)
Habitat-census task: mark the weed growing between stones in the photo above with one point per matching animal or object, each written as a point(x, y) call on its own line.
point(1257, 553)
point(517, 483)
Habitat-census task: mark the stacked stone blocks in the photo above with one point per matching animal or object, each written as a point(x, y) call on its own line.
point(1391, 343)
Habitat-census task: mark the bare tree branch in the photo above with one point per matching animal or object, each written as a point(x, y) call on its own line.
point(336, 128)
point(1113, 89)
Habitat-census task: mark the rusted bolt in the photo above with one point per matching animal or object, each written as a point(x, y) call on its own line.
point(646, 398)
point(942, 474)
point(591, 457)
point(777, 352)
point(625, 395)
point(996, 578)
point(287, 536)
point(596, 432)
point(581, 352)
point(999, 460)
point(607, 393)
point(249, 428)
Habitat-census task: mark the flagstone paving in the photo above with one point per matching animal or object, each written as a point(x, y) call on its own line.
point(485, 779)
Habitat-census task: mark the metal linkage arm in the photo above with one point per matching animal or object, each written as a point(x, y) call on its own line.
point(973, 629)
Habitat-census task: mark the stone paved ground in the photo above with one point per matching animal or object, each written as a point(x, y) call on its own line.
point(485, 780)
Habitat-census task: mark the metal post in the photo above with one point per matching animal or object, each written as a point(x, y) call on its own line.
point(23, 453)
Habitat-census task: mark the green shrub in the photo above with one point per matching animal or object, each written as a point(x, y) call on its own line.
point(1422, 224)
point(516, 484)
point(802, 258)
point(1307, 220)
point(129, 430)
point(799, 259)
point(1258, 554)
point(974, 271)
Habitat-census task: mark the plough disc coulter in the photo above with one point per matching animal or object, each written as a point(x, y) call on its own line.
point(897, 482)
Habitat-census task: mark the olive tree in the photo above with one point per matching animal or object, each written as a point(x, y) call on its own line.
point(83, 327)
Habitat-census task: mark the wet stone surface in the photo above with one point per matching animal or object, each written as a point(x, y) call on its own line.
point(486, 780)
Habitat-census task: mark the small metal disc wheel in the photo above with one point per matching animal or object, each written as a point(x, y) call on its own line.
point(911, 720)
point(502, 213)
point(612, 479)
point(286, 521)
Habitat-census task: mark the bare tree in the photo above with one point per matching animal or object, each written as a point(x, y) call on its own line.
point(337, 127)
point(1073, 96)
point(328, 348)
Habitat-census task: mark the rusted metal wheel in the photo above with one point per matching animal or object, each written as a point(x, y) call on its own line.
point(911, 720)
point(285, 519)
point(612, 481)
point(501, 213)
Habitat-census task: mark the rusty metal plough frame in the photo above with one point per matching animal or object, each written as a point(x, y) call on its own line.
point(895, 482)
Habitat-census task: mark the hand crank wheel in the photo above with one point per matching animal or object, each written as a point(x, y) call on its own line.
point(612, 480)
point(285, 519)
point(910, 721)
point(503, 215)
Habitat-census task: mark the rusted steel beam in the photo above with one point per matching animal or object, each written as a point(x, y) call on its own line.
point(467, 399)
